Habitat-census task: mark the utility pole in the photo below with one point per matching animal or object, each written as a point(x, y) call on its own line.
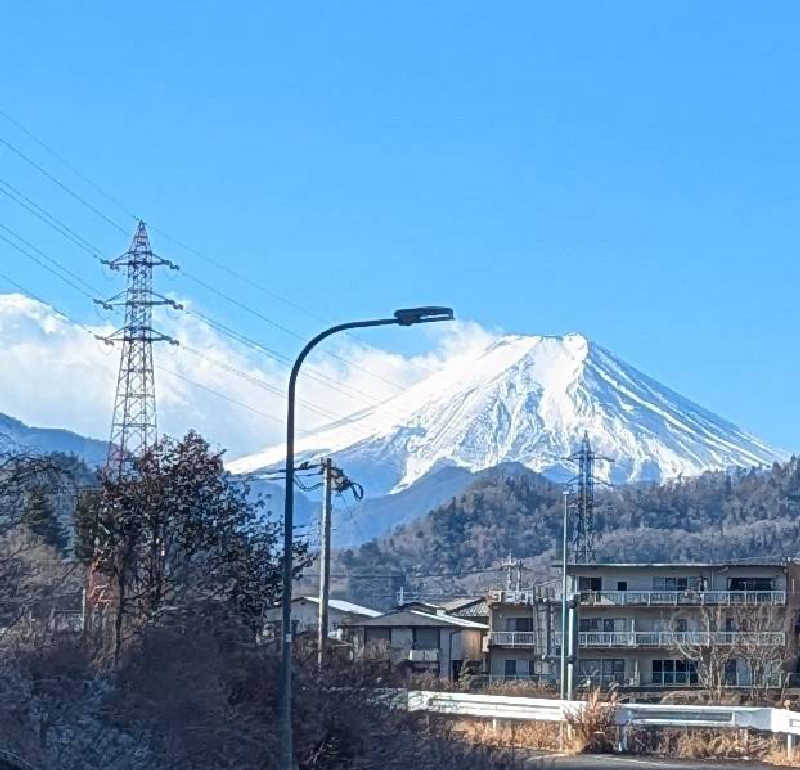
point(325, 560)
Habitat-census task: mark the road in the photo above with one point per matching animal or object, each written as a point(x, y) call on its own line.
point(607, 762)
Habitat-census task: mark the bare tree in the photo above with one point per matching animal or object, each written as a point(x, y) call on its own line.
point(756, 643)
point(708, 646)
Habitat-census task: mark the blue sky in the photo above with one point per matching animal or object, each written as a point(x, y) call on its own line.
point(626, 170)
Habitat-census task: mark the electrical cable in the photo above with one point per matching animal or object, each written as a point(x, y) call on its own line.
point(49, 268)
point(60, 184)
point(220, 265)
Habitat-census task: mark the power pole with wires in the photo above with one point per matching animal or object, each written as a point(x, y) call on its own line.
point(133, 425)
point(333, 480)
point(583, 533)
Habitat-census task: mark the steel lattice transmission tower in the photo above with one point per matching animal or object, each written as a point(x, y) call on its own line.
point(133, 425)
point(583, 505)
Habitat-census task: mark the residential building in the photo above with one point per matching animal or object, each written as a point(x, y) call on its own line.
point(305, 614)
point(646, 625)
point(413, 641)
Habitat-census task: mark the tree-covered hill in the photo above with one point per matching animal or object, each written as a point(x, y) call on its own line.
point(720, 515)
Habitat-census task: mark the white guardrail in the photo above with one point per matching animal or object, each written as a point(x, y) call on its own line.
point(656, 715)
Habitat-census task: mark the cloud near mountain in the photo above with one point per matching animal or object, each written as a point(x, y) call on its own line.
point(54, 373)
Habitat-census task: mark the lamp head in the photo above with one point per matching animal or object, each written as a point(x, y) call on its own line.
point(429, 314)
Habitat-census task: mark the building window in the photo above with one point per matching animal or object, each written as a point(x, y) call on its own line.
point(606, 625)
point(519, 624)
point(602, 671)
point(622, 585)
point(510, 668)
point(668, 672)
point(751, 584)
point(589, 584)
point(680, 625)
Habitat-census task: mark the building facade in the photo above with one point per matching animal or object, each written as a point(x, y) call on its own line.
point(653, 625)
point(413, 641)
point(305, 614)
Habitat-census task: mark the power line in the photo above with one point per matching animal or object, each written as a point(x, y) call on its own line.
point(54, 267)
point(246, 279)
point(217, 393)
point(60, 184)
point(255, 380)
point(45, 216)
point(93, 334)
point(66, 163)
point(93, 250)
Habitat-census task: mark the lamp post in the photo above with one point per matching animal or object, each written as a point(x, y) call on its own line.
point(563, 677)
point(406, 317)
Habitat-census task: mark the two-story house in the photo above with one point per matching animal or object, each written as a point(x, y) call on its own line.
point(305, 614)
point(413, 641)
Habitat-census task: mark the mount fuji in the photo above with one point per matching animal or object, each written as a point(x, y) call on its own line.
point(527, 400)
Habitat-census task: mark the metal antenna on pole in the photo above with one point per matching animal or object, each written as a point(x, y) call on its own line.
point(583, 530)
point(133, 425)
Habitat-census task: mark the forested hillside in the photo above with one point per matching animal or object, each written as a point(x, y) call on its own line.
point(714, 516)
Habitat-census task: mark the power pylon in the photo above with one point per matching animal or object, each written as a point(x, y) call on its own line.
point(133, 425)
point(583, 527)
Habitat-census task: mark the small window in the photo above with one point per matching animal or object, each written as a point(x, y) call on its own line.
point(586, 625)
point(589, 584)
point(680, 625)
point(511, 668)
point(622, 585)
point(523, 624)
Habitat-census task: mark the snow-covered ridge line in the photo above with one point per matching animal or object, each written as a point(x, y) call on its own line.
point(528, 399)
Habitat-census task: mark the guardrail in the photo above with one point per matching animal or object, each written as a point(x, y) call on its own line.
point(680, 598)
point(680, 638)
point(657, 715)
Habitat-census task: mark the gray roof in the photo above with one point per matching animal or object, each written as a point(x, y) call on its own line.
point(343, 606)
point(676, 565)
point(418, 619)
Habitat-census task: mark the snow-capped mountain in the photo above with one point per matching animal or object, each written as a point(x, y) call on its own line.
point(528, 399)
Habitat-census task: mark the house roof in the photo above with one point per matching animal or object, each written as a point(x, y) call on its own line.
point(676, 565)
point(342, 606)
point(419, 619)
point(452, 605)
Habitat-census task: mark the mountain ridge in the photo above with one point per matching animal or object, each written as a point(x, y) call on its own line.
point(528, 399)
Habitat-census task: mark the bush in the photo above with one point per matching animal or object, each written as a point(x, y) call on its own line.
point(592, 724)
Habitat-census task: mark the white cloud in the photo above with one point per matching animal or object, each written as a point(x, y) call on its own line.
point(55, 374)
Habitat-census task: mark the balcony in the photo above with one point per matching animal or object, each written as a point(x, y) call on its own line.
point(680, 598)
point(512, 638)
point(676, 638)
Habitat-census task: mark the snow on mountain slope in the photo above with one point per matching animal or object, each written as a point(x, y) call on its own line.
point(528, 399)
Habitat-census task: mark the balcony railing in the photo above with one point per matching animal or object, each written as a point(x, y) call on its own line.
point(424, 656)
point(512, 638)
point(677, 638)
point(677, 598)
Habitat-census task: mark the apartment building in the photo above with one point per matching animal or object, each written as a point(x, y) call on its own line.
point(645, 625)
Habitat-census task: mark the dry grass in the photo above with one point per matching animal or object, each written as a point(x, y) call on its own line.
point(591, 727)
point(544, 736)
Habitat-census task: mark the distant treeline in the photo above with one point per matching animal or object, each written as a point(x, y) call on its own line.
point(719, 515)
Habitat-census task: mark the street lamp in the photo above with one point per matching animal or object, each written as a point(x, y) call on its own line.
point(563, 676)
point(403, 317)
